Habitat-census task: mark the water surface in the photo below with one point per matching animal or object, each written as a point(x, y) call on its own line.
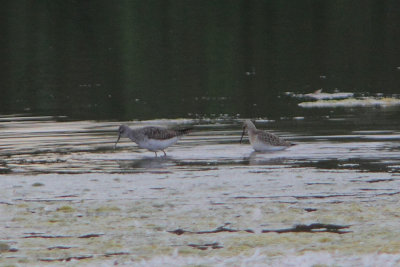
point(144, 60)
point(364, 141)
point(323, 74)
point(98, 205)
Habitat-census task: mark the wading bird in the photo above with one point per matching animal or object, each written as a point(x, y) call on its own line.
point(151, 137)
point(262, 140)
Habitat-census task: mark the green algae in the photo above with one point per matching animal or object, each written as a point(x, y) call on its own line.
point(140, 227)
point(4, 247)
point(66, 209)
point(106, 209)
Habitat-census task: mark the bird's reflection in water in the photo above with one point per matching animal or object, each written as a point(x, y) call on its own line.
point(265, 158)
point(148, 163)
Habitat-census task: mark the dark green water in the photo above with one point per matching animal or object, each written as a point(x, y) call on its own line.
point(123, 60)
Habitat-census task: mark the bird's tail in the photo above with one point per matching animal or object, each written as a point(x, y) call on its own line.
point(183, 131)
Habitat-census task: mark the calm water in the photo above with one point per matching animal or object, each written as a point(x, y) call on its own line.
point(366, 142)
point(135, 60)
point(71, 72)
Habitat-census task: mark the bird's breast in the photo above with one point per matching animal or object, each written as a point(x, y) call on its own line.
point(157, 144)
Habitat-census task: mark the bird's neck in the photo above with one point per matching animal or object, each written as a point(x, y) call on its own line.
point(134, 136)
point(251, 130)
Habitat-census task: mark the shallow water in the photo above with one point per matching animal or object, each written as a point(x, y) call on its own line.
point(95, 204)
point(55, 145)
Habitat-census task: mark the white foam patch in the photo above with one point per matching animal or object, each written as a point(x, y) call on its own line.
point(352, 102)
point(318, 95)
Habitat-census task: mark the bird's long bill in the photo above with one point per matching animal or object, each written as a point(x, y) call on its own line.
point(115, 146)
point(241, 138)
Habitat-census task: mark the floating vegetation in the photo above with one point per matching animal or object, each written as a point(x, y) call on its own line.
point(90, 235)
point(110, 254)
point(312, 228)
point(65, 209)
point(37, 184)
point(83, 257)
point(206, 246)
point(33, 235)
point(59, 247)
point(107, 209)
point(67, 196)
point(46, 236)
point(310, 209)
point(80, 257)
point(4, 247)
point(215, 231)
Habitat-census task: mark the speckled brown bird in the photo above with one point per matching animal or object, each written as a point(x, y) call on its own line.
point(151, 137)
point(262, 140)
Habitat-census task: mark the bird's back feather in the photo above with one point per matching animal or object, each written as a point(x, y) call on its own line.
point(160, 133)
point(272, 139)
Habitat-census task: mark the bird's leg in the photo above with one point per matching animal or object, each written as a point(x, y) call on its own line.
point(155, 153)
point(165, 154)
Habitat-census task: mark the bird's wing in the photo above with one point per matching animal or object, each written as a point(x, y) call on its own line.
point(158, 133)
point(272, 139)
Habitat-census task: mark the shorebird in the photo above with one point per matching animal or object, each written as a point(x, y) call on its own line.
point(152, 138)
point(262, 140)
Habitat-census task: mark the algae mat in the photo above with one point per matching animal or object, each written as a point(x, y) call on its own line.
point(242, 216)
